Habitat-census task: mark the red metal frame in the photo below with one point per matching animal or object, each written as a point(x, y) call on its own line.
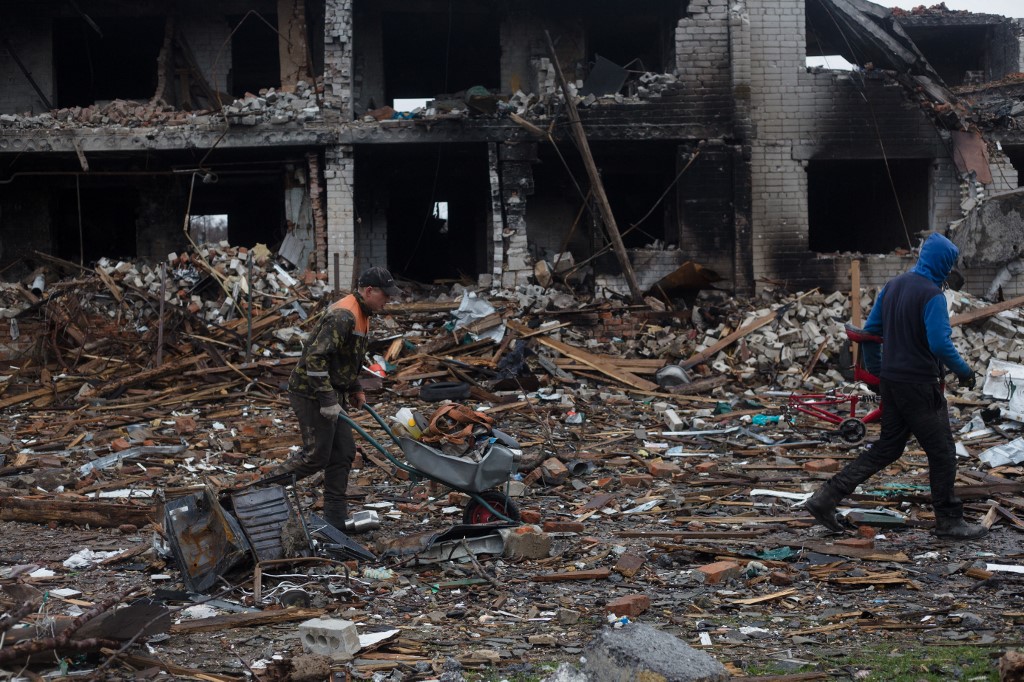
point(814, 404)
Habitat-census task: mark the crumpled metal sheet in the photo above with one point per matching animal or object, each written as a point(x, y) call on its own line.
point(206, 540)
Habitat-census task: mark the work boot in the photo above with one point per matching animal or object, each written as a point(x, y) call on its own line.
point(336, 513)
point(955, 528)
point(822, 506)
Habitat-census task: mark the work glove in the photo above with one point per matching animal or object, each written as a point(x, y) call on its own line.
point(356, 400)
point(330, 411)
point(968, 381)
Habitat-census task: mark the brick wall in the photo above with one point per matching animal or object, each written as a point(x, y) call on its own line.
point(339, 174)
point(338, 59)
point(798, 116)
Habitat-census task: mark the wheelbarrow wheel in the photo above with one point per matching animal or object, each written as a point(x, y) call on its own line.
point(477, 513)
point(852, 430)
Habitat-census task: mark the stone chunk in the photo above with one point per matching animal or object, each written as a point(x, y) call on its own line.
point(638, 651)
point(332, 637)
point(526, 542)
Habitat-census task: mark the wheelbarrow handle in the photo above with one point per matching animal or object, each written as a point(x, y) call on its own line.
point(373, 441)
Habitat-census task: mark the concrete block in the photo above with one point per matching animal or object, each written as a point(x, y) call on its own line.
point(331, 637)
point(526, 542)
point(659, 468)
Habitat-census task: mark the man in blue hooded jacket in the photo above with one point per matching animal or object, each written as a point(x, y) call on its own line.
point(910, 316)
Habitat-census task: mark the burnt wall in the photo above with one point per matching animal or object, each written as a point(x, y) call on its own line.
point(25, 215)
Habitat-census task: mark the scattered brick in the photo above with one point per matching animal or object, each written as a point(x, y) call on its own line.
point(630, 606)
point(857, 543)
point(822, 466)
point(636, 480)
point(120, 444)
point(629, 564)
point(659, 468)
point(706, 467)
point(720, 571)
point(529, 516)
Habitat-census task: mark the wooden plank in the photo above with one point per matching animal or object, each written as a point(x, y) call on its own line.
point(140, 662)
point(987, 311)
point(605, 365)
point(764, 597)
point(708, 353)
point(593, 574)
point(96, 514)
point(245, 620)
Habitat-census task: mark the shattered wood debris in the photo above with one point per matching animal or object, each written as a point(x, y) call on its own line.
point(660, 482)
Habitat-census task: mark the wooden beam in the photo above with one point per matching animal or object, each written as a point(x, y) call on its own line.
point(601, 364)
point(596, 185)
point(988, 311)
point(244, 620)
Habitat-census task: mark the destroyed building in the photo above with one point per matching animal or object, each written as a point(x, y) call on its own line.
point(127, 128)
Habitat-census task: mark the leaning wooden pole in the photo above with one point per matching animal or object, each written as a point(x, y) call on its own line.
point(597, 187)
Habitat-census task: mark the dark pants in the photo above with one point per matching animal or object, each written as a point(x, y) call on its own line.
point(327, 446)
point(918, 409)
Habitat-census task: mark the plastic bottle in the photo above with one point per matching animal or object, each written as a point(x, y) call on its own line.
point(407, 418)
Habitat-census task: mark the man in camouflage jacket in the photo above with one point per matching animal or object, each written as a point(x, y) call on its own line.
point(328, 371)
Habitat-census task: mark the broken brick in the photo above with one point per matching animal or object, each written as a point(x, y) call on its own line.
point(184, 425)
point(631, 605)
point(553, 471)
point(120, 444)
point(636, 480)
point(706, 467)
point(822, 466)
point(529, 516)
point(659, 468)
point(629, 564)
point(720, 571)
point(858, 543)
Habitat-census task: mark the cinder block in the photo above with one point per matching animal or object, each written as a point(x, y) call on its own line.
point(331, 637)
point(527, 542)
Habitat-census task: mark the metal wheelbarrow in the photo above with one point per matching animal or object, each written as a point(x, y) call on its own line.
point(476, 479)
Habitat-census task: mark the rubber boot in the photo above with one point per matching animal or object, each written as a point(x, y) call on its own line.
point(822, 506)
point(955, 528)
point(336, 513)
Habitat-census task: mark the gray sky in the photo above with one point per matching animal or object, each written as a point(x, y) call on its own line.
point(1007, 8)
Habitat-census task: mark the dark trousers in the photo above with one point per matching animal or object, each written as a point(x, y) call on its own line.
point(918, 409)
point(327, 446)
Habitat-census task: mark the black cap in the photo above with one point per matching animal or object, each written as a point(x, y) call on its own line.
point(380, 278)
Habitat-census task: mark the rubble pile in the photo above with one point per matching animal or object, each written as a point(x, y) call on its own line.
point(641, 501)
point(269, 106)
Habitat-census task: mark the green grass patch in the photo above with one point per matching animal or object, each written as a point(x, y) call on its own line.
point(920, 662)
